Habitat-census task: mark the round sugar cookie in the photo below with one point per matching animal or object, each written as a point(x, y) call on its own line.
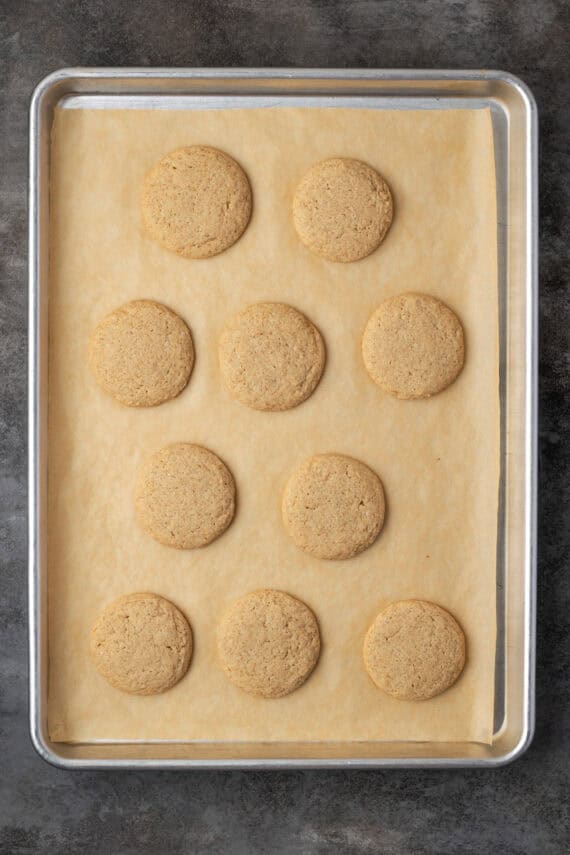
point(196, 201)
point(333, 506)
point(142, 354)
point(268, 643)
point(185, 496)
point(342, 209)
point(413, 346)
point(142, 644)
point(271, 356)
point(414, 650)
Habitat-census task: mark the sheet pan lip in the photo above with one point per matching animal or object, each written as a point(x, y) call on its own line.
point(276, 764)
point(531, 414)
point(42, 90)
point(33, 492)
point(34, 640)
point(282, 73)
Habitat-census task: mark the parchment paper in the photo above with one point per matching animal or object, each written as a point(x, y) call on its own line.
point(438, 459)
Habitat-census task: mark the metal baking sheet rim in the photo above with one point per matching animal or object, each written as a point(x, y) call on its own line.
point(382, 83)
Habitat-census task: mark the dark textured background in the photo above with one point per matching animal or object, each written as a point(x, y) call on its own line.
point(518, 809)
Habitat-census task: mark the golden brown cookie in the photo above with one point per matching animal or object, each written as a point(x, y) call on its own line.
point(196, 201)
point(185, 496)
point(142, 644)
point(414, 650)
point(413, 346)
point(333, 506)
point(342, 209)
point(271, 356)
point(268, 643)
point(142, 354)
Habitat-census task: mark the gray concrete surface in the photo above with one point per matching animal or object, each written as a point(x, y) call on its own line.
point(518, 809)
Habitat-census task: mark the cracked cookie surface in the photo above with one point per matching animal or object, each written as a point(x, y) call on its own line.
point(271, 356)
point(268, 643)
point(413, 346)
point(185, 496)
point(342, 209)
point(414, 650)
point(333, 506)
point(141, 644)
point(196, 201)
point(142, 354)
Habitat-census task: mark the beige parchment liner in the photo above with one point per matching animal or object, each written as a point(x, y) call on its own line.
point(438, 459)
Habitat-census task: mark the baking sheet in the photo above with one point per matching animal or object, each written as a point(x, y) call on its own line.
point(438, 459)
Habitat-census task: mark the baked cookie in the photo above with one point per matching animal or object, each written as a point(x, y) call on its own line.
point(333, 506)
point(141, 644)
point(413, 346)
point(414, 650)
point(196, 201)
point(268, 643)
point(342, 209)
point(142, 354)
point(185, 496)
point(271, 356)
